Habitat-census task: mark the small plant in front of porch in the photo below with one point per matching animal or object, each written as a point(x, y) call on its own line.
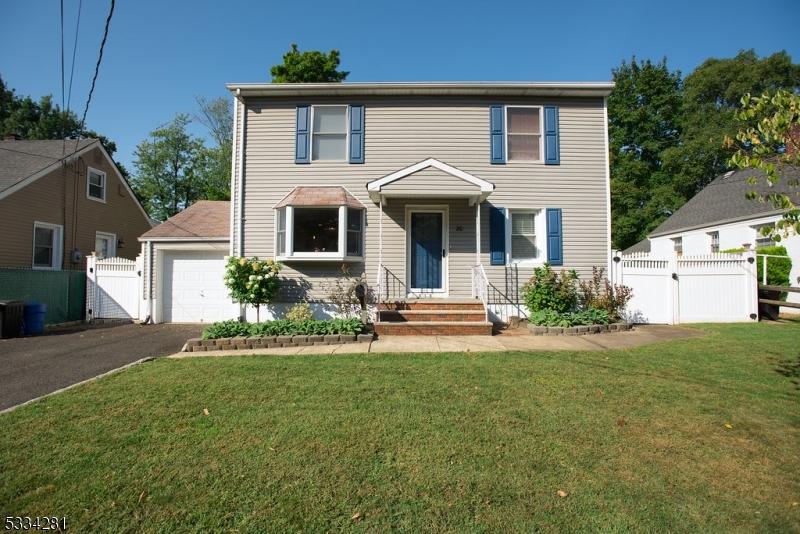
point(343, 293)
point(283, 327)
point(300, 312)
point(599, 293)
point(251, 281)
point(550, 290)
point(577, 318)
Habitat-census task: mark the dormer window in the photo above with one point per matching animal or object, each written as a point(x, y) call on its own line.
point(319, 224)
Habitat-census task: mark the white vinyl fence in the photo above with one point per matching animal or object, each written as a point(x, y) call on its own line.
point(113, 289)
point(689, 289)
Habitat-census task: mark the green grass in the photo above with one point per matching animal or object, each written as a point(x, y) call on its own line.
point(426, 442)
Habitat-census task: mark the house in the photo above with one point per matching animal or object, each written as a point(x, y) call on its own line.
point(61, 200)
point(721, 217)
point(440, 196)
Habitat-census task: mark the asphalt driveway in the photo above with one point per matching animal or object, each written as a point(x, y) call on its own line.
point(34, 366)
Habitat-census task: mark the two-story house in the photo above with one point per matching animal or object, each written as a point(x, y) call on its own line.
point(443, 196)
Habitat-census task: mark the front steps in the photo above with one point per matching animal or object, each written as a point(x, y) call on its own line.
point(433, 317)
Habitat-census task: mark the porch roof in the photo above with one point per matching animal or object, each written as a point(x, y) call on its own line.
point(430, 178)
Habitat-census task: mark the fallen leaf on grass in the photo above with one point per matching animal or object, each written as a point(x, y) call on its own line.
point(562, 493)
point(205, 411)
point(728, 425)
point(141, 496)
point(356, 516)
point(621, 421)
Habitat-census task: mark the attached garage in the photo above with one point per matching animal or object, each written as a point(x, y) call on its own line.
point(184, 260)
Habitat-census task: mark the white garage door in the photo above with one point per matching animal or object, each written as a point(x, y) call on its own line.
point(193, 288)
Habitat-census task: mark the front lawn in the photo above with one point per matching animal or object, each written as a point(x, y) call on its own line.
point(696, 434)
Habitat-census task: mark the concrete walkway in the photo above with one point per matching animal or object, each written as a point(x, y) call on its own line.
point(640, 335)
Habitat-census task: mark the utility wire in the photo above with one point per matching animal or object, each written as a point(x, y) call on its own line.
point(74, 50)
point(97, 66)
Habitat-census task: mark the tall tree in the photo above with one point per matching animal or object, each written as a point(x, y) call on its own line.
point(34, 120)
point(169, 169)
point(308, 67)
point(217, 116)
point(644, 113)
point(711, 96)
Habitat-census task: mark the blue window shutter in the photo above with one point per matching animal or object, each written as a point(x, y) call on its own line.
point(497, 154)
point(302, 135)
point(555, 239)
point(357, 134)
point(497, 236)
point(552, 151)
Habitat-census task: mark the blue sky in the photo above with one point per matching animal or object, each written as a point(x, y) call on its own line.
point(161, 54)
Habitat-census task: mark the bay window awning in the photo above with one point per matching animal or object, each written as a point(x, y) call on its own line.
point(430, 178)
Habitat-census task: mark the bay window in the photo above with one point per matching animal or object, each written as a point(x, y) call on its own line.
point(308, 233)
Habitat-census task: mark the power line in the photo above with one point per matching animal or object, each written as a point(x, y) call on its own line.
point(97, 66)
point(74, 50)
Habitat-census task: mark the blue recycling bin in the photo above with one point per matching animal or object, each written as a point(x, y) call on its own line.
point(33, 318)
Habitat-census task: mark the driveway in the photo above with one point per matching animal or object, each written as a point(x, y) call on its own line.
point(34, 366)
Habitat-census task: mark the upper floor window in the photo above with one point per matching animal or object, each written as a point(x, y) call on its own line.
point(764, 240)
point(524, 133)
point(677, 245)
point(96, 184)
point(329, 133)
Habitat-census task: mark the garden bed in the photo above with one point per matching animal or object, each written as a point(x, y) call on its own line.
point(581, 330)
point(269, 342)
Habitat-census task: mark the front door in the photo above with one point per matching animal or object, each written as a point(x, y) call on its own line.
point(426, 245)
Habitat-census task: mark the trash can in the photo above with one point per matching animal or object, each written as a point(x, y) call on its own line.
point(33, 320)
point(11, 312)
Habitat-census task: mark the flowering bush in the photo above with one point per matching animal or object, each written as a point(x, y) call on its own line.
point(300, 312)
point(252, 281)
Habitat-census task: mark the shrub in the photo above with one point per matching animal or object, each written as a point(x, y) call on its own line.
point(778, 269)
point(584, 317)
point(300, 312)
point(343, 293)
point(283, 327)
point(549, 290)
point(252, 281)
point(600, 294)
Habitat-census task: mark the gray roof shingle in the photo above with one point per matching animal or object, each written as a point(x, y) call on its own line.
point(725, 200)
point(21, 159)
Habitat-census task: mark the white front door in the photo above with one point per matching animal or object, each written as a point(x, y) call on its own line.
point(193, 288)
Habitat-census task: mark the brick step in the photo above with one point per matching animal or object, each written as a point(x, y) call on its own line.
point(433, 315)
point(432, 304)
point(440, 328)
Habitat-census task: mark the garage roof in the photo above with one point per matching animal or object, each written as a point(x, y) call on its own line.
point(203, 220)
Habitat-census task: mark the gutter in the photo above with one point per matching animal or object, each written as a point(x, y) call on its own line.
point(240, 196)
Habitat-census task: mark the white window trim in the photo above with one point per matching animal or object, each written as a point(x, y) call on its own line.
point(540, 225)
point(541, 135)
point(346, 158)
point(58, 246)
point(339, 256)
point(711, 241)
point(112, 249)
point(90, 170)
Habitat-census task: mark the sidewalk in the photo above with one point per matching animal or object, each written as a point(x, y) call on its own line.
point(640, 335)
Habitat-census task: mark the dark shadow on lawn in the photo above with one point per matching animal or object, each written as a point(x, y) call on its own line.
point(789, 368)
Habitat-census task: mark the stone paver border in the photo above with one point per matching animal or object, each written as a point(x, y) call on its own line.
point(269, 342)
point(582, 330)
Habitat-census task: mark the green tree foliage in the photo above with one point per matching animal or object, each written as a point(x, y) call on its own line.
point(769, 140)
point(644, 114)
point(217, 116)
point(170, 168)
point(34, 120)
point(308, 67)
point(666, 133)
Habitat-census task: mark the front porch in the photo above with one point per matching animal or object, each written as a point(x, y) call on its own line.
point(430, 278)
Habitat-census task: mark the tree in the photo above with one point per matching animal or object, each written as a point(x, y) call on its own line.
point(711, 96)
point(308, 67)
point(252, 281)
point(41, 120)
point(771, 146)
point(169, 169)
point(216, 115)
point(644, 112)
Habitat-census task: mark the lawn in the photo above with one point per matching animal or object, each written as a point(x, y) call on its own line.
point(700, 434)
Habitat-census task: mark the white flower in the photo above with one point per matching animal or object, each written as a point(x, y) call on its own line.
point(260, 278)
point(252, 277)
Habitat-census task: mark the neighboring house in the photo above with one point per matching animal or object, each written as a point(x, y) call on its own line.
point(721, 217)
point(184, 266)
point(62, 200)
point(415, 187)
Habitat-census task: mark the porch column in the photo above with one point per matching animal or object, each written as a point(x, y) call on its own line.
point(477, 233)
point(380, 252)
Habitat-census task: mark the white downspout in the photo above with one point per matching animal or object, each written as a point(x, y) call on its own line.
point(609, 253)
point(240, 197)
point(231, 227)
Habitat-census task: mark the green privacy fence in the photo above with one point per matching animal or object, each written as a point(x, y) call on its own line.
point(64, 292)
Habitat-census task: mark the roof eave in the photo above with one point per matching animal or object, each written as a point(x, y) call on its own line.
point(700, 226)
point(486, 89)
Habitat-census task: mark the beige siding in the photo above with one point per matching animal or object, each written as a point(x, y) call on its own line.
point(400, 133)
point(60, 198)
